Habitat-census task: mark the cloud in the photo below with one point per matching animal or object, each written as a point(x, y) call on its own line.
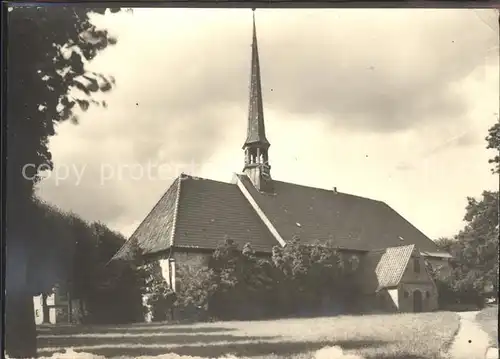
point(182, 93)
point(369, 70)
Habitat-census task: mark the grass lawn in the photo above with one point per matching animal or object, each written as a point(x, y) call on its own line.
point(488, 319)
point(396, 336)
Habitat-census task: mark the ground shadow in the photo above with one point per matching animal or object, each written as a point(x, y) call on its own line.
point(166, 328)
point(238, 349)
point(163, 339)
point(395, 356)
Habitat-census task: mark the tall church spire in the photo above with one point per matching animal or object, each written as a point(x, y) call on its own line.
point(256, 132)
point(256, 145)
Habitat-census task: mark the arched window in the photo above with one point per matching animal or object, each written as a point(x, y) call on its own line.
point(427, 294)
point(406, 294)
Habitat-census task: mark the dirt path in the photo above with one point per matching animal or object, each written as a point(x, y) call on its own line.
point(471, 342)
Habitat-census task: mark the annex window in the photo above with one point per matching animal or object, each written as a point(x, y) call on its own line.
point(354, 262)
point(416, 265)
point(63, 296)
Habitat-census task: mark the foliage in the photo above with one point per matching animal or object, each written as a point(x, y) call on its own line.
point(111, 291)
point(474, 266)
point(493, 140)
point(81, 254)
point(46, 59)
point(478, 255)
point(196, 286)
point(159, 296)
point(312, 278)
point(48, 49)
point(238, 284)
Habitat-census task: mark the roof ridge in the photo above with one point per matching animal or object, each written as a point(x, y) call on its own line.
point(329, 190)
point(185, 176)
point(176, 210)
point(260, 213)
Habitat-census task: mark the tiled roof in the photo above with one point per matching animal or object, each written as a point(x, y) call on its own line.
point(384, 268)
point(154, 234)
point(211, 211)
point(199, 213)
point(339, 219)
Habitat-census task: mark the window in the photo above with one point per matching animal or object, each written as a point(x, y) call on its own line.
point(354, 262)
point(406, 294)
point(63, 296)
point(416, 265)
point(427, 295)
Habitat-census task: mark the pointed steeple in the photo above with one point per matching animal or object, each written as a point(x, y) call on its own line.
point(256, 132)
point(256, 146)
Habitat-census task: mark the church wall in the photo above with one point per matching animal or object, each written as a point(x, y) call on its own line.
point(416, 277)
point(199, 259)
point(194, 260)
point(170, 265)
point(440, 263)
point(165, 269)
point(407, 292)
point(415, 271)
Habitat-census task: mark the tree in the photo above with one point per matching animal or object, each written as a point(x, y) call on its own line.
point(48, 49)
point(474, 249)
point(111, 292)
point(479, 243)
point(493, 140)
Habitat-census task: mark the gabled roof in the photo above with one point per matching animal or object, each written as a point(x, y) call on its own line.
point(210, 212)
point(384, 268)
point(339, 219)
point(199, 213)
point(154, 234)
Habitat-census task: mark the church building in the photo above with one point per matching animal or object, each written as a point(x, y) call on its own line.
point(195, 215)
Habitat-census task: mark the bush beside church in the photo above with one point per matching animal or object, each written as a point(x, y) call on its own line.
point(237, 284)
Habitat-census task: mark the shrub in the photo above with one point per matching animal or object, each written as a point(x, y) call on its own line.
point(296, 280)
point(160, 298)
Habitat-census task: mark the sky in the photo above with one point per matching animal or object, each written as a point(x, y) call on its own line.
point(392, 105)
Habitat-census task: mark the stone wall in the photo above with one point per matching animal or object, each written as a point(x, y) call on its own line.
point(407, 292)
point(199, 260)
